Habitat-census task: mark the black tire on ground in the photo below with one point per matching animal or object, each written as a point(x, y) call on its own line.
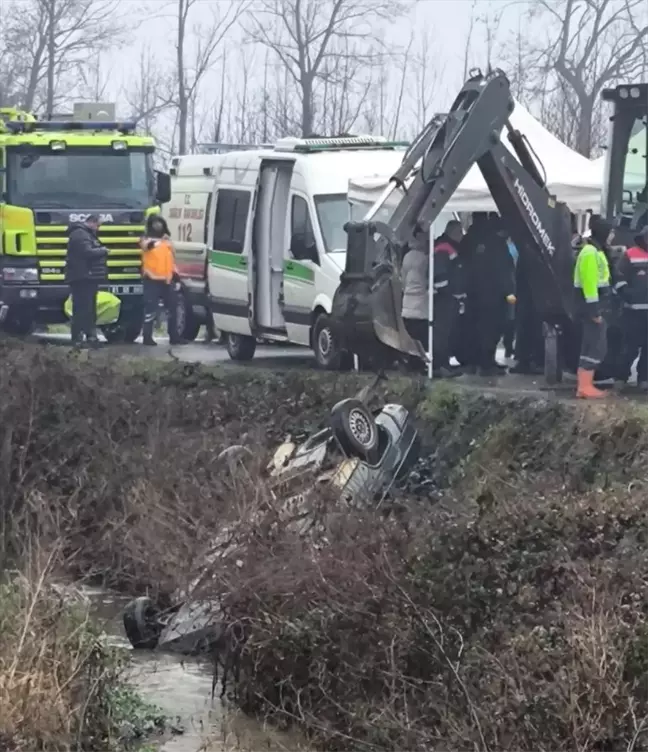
point(18, 324)
point(240, 347)
point(187, 323)
point(552, 361)
point(125, 330)
point(329, 356)
point(354, 427)
point(141, 623)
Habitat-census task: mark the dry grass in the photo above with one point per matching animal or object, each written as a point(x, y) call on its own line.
point(502, 609)
point(54, 672)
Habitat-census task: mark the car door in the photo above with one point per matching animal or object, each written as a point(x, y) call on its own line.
point(228, 261)
point(302, 259)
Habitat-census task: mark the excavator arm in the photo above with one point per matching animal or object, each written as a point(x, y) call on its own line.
point(366, 306)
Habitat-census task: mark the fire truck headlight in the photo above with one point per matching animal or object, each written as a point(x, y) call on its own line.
point(57, 145)
point(119, 145)
point(17, 274)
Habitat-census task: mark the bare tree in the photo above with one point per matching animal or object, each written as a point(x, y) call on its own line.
point(94, 80)
point(345, 84)
point(207, 35)
point(301, 33)
point(427, 71)
point(151, 92)
point(593, 43)
point(467, 63)
point(51, 39)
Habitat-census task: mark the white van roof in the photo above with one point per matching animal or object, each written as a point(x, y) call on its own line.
point(326, 165)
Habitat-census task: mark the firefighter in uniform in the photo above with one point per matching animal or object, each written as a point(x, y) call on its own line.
point(592, 283)
point(632, 288)
point(159, 276)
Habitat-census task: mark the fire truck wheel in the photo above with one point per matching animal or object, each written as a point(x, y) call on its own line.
point(18, 324)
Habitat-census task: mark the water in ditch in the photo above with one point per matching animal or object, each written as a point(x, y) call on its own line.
point(181, 687)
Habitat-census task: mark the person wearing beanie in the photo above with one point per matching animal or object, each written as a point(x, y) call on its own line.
point(592, 283)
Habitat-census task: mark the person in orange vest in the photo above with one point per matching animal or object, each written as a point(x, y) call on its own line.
point(159, 277)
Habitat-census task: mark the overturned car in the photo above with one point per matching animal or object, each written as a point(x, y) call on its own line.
point(361, 453)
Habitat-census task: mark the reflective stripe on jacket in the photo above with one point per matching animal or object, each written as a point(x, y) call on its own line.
point(591, 274)
point(632, 285)
point(158, 259)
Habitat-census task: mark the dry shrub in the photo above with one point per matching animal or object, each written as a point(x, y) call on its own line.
point(55, 675)
point(509, 615)
point(122, 466)
point(522, 625)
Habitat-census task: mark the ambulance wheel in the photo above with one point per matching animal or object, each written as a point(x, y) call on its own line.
point(141, 623)
point(329, 356)
point(354, 427)
point(552, 363)
point(187, 323)
point(241, 347)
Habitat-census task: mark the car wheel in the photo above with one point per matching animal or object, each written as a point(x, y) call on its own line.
point(240, 347)
point(355, 429)
point(187, 324)
point(328, 354)
point(142, 624)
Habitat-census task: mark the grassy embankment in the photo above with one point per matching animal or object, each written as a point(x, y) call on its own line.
point(499, 602)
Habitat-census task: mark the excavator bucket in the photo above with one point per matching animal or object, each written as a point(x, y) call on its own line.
point(366, 311)
point(388, 324)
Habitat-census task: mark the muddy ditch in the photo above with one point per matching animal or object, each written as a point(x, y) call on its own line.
point(498, 601)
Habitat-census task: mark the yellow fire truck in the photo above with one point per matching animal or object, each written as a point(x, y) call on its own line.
point(57, 171)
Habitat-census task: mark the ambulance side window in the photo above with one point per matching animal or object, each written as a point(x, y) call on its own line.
point(232, 208)
point(302, 237)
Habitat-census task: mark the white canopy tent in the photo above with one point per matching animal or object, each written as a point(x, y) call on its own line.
point(571, 177)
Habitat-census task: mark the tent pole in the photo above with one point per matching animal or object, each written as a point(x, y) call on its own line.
point(431, 301)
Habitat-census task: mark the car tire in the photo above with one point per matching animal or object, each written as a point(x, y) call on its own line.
point(187, 323)
point(328, 354)
point(355, 429)
point(142, 624)
point(240, 347)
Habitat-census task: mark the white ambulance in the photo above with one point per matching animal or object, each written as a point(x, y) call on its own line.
point(267, 226)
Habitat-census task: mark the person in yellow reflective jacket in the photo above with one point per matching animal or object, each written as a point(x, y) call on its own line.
point(592, 282)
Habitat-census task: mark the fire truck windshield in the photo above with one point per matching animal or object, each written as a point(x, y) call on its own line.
point(80, 178)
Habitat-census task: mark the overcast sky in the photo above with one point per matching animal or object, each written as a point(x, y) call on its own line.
point(448, 22)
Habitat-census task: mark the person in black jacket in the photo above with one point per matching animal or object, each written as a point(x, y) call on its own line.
point(85, 269)
point(490, 274)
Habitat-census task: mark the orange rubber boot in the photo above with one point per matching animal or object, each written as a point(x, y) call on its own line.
point(586, 388)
